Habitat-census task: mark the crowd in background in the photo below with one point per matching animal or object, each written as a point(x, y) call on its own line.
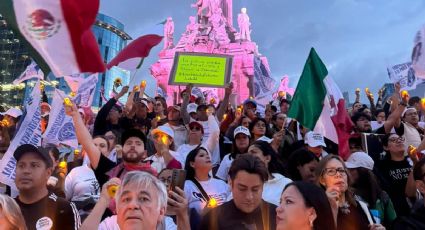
point(195, 165)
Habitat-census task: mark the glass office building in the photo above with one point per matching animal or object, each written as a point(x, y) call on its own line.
point(13, 60)
point(111, 38)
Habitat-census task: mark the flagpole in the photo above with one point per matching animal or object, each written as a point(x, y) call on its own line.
point(137, 68)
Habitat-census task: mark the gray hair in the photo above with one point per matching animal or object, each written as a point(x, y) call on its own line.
point(11, 211)
point(145, 180)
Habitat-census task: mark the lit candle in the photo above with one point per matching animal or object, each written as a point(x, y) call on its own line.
point(164, 139)
point(251, 97)
point(423, 103)
point(212, 101)
point(158, 118)
point(281, 93)
point(4, 123)
point(212, 203)
point(72, 94)
point(67, 101)
point(112, 190)
point(135, 88)
point(62, 164)
point(412, 149)
point(404, 94)
point(224, 116)
point(76, 152)
point(143, 84)
point(239, 110)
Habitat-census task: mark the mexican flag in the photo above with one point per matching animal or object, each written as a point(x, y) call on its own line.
point(58, 33)
point(132, 56)
point(319, 106)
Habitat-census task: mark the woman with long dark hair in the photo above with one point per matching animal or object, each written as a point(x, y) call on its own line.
point(200, 188)
point(240, 146)
point(366, 187)
point(276, 181)
point(302, 166)
point(304, 206)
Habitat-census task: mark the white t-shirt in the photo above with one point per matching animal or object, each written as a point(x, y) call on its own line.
point(81, 184)
point(273, 188)
point(215, 188)
point(110, 223)
point(158, 163)
point(223, 170)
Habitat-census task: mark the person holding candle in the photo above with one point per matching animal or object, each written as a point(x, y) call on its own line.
point(202, 190)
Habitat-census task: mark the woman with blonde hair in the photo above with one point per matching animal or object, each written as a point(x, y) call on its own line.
point(10, 214)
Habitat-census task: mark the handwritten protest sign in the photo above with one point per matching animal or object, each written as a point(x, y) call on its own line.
point(201, 69)
point(404, 74)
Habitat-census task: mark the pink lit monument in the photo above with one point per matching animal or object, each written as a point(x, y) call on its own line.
point(212, 31)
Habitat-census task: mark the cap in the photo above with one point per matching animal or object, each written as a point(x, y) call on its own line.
point(45, 104)
point(266, 139)
point(407, 109)
point(314, 139)
point(359, 160)
point(164, 129)
point(13, 112)
point(132, 133)
point(241, 129)
point(28, 148)
point(176, 107)
point(196, 123)
point(247, 101)
point(143, 101)
point(191, 108)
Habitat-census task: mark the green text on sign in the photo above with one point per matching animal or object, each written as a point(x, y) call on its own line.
point(201, 70)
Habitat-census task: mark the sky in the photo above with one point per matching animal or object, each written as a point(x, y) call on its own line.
point(356, 39)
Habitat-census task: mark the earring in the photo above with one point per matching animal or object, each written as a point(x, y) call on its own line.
point(311, 223)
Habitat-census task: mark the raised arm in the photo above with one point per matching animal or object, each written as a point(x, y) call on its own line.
point(394, 118)
point(83, 135)
point(223, 106)
point(186, 97)
point(212, 141)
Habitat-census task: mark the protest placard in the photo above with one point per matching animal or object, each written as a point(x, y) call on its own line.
point(404, 74)
point(201, 69)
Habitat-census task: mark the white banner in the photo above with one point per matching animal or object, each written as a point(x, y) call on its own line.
point(404, 74)
point(74, 81)
point(418, 53)
point(264, 85)
point(60, 129)
point(28, 133)
point(32, 71)
point(85, 93)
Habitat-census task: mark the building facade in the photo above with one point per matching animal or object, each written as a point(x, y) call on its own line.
point(14, 58)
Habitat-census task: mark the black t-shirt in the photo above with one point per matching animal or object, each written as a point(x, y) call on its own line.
point(51, 212)
point(228, 217)
point(104, 166)
point(393, 176)
point(354, 220)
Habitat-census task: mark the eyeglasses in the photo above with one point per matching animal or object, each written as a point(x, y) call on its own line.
point(260, 125)
point(333, 171)
point(395, 139)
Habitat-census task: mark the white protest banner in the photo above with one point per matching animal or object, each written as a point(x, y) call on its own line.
point(418, 53)
point(264, 85)
point(28, 133)
point(404, 74)
point(60, 129)
point(32, 71)
point(85, 93)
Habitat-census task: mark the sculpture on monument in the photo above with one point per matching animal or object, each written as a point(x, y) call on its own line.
point(243, 23)
point(168, 33)
point(210, 31)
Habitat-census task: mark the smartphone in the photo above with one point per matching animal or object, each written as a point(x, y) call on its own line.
point(177, 179)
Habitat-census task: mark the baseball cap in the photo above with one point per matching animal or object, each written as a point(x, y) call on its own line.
point(359, 160)
point(191, 108)
point(13, 112)
point(28, 148)
point(314, 139)
point(164, 129)
point(196, 123)
point(247, 101)
point(143, 101)
point(132, 133)
point(241, 129)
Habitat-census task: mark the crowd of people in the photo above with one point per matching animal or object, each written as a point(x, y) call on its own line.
point(193, 165)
